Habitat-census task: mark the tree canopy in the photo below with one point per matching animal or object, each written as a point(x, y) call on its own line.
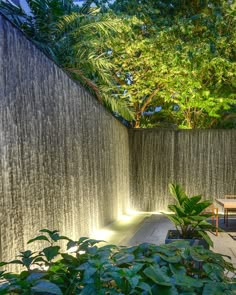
point(154, 63)
point(178, 64)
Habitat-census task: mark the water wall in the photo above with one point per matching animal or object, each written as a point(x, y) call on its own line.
point(64, 158)
point(202, 161)
point(67, 164)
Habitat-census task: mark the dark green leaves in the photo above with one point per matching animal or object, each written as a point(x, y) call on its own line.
point(157, 276)
point(39, 238)
point(145, 269)
point(51, 252)
point(189, 217)
point(46, 287)
point(51, 237)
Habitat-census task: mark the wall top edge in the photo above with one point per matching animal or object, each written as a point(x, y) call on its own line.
point(179, 130)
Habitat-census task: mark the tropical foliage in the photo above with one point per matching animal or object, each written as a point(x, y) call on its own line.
point(145, 269)
point(179, 60)
point(165, 63)
point(75, 38)
point(189, 217)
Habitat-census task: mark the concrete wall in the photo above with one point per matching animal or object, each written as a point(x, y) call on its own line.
point(202, 161)
point(64, 158)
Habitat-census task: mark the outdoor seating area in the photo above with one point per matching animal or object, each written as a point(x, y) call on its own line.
point(229, 206)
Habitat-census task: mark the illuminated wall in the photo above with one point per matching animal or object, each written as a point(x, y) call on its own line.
point(64, 158)
point(67, 164)
point(202, 161)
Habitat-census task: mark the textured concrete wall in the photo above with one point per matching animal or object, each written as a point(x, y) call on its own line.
point(202, 161)
point(64, 158)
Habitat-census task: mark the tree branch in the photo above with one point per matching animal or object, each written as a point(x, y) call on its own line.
point(149, 99)
point(92, 85)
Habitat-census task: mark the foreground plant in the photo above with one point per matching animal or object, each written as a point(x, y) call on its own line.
point(190, 215)
point(86, 268)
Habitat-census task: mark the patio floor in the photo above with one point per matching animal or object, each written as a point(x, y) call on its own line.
point(152, 228)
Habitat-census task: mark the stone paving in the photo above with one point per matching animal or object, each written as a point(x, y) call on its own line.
point(152, 228)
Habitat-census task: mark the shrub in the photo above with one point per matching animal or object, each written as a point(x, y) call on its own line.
point(189, 217)
point(85, 268)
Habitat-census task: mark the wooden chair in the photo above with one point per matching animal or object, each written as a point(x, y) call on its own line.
point(227, 210)
point(215, 216)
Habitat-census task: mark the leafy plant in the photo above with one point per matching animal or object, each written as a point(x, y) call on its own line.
point(175, 54)
point(189, 217)
point(74, 37)
point(146, 269)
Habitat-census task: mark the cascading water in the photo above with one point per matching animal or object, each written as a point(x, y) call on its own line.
point(202, 161)
point(67, 164)
point(64, 159)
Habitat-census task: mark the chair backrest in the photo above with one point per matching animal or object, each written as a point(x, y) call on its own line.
point(211, 210)
point(230, 196)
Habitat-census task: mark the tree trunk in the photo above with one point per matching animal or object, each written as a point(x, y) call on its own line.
point(137, 119)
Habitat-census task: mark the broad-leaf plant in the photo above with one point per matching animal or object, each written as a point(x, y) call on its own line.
point(85, 268)
point(191, 215)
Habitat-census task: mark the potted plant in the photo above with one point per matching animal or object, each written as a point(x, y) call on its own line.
point(190, 218)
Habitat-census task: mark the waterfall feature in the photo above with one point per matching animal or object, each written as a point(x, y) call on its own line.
point(67, 164)
point(202, 161)
point(64, 158)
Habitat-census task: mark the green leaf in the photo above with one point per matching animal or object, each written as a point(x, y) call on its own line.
point(214, 271)
point(71, 244)
point(69, 259)
point(26, 254)
point(46, 287)
point(171, 259)
point(39, 238)
point(157, 276)
point(216, 288)
point(35, 276)
point(206, 238)
point(163, 290)
point(196, 256)
point(51, 252)
point(190, 204)
point(145, 287)
point(177, 192)
point(187, 281)
point(177, 269)
point(88, 273)
point(89, 290)
point(126, 258)
point(202, 206)
point(44, 230)
point(16, 261)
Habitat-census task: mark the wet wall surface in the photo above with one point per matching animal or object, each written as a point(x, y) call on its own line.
point(64, 158)
point(201, 161)
point(67, 164)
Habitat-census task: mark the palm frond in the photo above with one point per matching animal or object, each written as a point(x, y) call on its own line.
point(87, 82)
point(83, 23)
point(104, 26)
point(119, 107)
point(13, 12)
point(69, 22)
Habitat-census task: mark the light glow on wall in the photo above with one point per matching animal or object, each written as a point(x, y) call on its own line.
point(103, 234)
